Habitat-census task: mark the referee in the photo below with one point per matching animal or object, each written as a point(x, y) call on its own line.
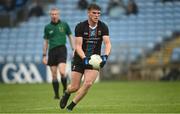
point(54, 43)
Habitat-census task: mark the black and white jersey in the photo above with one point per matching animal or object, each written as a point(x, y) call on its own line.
point(92, 37)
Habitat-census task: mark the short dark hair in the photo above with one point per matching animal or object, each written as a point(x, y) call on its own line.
point(94, 7)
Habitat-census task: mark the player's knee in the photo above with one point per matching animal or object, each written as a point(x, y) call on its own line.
point(74, 88)
point(88, 84)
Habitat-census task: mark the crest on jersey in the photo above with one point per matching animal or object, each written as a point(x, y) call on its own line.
point(61, 29)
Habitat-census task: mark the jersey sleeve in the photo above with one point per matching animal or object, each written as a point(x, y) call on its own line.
point(45, 33)
point(78, 30)
point(105, 29)
point(68, 30)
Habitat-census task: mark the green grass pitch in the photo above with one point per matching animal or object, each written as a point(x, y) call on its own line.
point(103, 98)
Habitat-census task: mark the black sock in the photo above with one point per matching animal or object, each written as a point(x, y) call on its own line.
point(55, 84)
point(71, 106)
point(64, 83)
point(67, 95)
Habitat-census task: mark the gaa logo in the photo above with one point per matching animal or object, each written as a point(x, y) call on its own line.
point(20, 73)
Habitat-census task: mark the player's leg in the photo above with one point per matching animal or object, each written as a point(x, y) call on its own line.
point(55, 82)
point(62, 71)
point(53, 63)
point(72, 87)
point(61, 55)
point(75, 82)
point(89, 78)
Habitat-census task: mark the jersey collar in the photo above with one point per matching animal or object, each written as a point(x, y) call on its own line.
point(91, 26)
point(55, 23)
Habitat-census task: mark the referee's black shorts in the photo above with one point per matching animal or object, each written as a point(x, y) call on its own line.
point(57, 55)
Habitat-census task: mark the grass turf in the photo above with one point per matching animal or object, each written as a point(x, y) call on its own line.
point(103, 97)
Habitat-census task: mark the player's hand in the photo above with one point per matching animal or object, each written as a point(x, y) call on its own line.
point(44, 60)
point(86, 61)
point(104, 60)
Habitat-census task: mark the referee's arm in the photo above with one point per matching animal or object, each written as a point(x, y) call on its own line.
point(45, 47)
point(71, 41)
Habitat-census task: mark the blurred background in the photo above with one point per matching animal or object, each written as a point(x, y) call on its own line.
point(145, 36)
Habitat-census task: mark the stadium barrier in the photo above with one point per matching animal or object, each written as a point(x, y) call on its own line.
point(16, 72)
point(23, 73)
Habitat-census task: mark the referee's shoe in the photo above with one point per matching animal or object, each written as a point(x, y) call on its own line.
point(64, 100)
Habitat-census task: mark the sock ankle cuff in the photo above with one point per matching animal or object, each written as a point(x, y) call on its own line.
point(67, 93)
point(56, 80)
point(63, 78)
point(73, 103)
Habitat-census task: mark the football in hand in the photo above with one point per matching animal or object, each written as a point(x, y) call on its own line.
point(95, 61)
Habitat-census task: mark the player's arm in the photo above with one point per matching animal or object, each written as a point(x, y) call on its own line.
point(107, 50)
point(107, 44)
point(70, 36)
point(78, 47)
point(79, 40)
point(71, 41)
point(45, 47)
